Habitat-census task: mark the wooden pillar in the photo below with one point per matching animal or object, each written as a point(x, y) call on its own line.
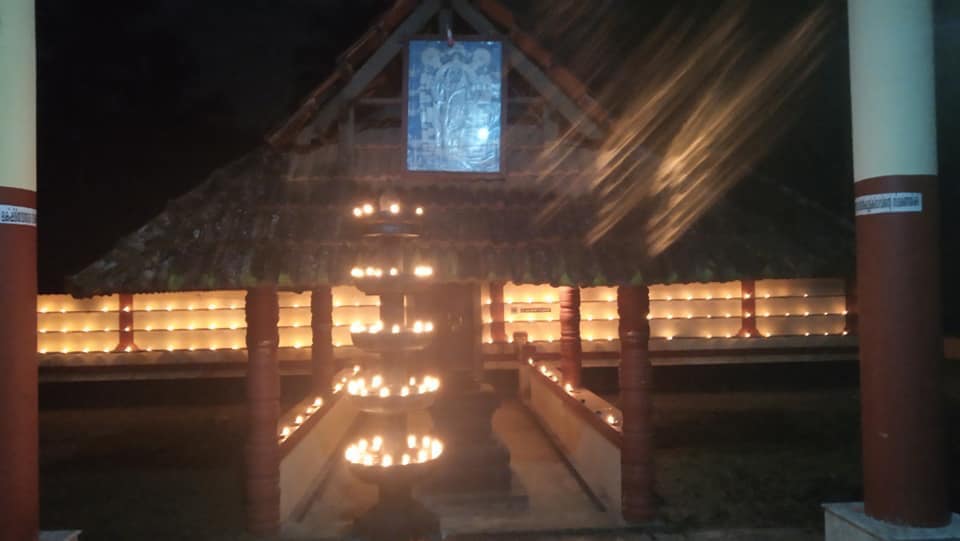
point(571, 351)
point(748, 309)
point(263, 412)
point(636, 455)
point(850, 309)
point(125, 323)
point(498, 329)
point(898, 260)
point(19, 500)
point(323, 363)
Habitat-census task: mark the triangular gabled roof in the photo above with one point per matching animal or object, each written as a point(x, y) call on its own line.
point(281, 214)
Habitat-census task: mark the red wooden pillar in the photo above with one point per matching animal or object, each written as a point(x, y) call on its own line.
point(898, 260)
point(125, 323)
point(263, 412)
point(18, 368)
point(571, 351)
point(748, 309)
point(850, 310)
point(18, 274)
point(323, 364)
point(636, 455)
point(498, 329)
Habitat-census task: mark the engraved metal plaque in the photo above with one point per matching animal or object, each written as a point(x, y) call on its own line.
point(454, 106)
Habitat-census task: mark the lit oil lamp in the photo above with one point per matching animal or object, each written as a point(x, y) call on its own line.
point(379, 452)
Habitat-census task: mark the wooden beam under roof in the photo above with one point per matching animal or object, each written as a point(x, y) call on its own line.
point(531, 72)
point(374, 65)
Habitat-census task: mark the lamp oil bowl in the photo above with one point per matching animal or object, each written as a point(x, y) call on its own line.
point(401, 462)
point(375, 394)
point(377, 339)
point(391, 278)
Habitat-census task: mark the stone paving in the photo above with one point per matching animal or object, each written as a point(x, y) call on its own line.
point(558, 508)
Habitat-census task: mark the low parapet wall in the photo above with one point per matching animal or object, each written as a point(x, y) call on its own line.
point(584, 427)
point(213, 321)
point(309, 451)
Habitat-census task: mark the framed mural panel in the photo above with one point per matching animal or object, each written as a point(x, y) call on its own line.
point(454, 108)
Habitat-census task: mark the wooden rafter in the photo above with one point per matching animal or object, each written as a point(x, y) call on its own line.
point(374, 65)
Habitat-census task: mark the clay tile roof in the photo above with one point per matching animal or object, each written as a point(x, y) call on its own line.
point(247, 225)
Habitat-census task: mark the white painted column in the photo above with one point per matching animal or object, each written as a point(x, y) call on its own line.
point(18, 132)
point(892, 88)
point(18, 274)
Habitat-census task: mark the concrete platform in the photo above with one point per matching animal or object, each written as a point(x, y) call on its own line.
point(554, 499)
point(847, 522)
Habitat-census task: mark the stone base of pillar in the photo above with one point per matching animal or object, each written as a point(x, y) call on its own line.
point(847, 522)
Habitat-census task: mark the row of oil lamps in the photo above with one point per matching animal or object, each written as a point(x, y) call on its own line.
point(533, 319)
point(427, 270)
point(192, 308)
point(150, 308)
point(709, 336)
point(298, 421)
point(420, 271)
point(299, 345)
point(610, 418)
point(747, 315)
point(373, 453)
point(357, 326)
point(549, 299)
point(367, 209)
point(214, 327)
point(358, 386)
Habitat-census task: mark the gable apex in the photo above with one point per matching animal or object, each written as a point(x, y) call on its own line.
point(376, 48)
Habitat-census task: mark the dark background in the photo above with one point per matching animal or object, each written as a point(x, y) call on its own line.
point(140, 101)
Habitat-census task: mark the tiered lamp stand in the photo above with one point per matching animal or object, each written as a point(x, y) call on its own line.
point(395, 384)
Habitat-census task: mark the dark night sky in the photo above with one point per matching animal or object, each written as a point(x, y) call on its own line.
point(139, 101)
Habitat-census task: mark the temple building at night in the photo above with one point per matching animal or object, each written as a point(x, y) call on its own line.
point(432, 205)
point(489, 139)
point(761, 268)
